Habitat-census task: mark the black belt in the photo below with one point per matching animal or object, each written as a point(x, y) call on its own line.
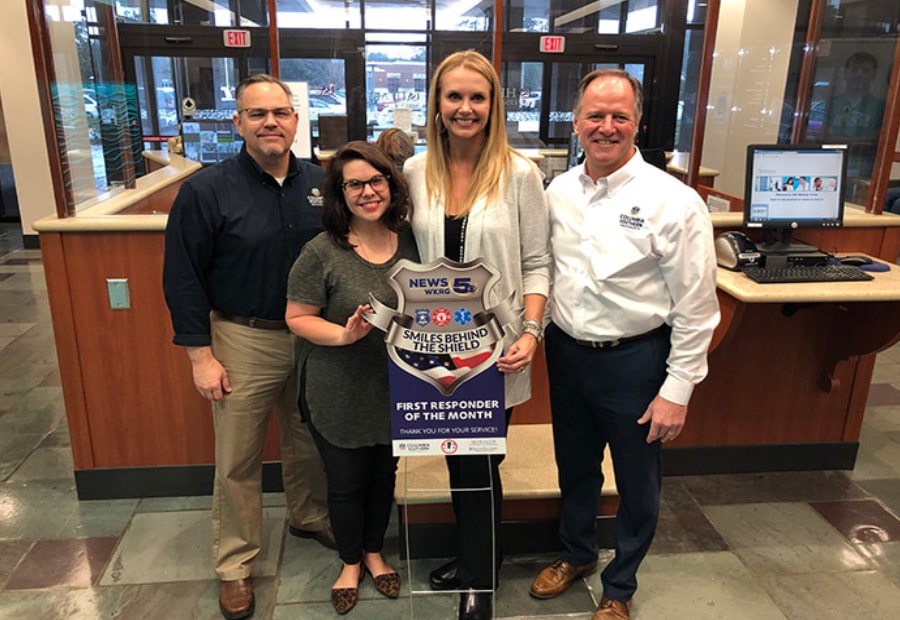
point(249, 321)
point(604, 344)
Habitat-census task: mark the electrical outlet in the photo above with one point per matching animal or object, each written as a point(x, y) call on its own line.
point(118, 293)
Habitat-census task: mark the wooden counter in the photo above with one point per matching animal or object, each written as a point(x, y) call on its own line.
point(130, 402)
point(789, 375)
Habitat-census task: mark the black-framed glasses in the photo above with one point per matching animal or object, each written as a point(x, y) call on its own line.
point(377, 183)
point(260, 114)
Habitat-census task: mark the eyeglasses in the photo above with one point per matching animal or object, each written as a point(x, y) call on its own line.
point(260, 114)
point(377, 183)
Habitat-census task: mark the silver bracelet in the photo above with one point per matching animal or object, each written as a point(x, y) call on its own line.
point(534, 328)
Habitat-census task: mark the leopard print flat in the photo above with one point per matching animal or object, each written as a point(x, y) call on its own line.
point(344, 599)
point(388, 584)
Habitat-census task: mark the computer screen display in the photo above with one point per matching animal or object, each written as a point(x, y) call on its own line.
point(790, 186)
point(210, 141)
point(576, 152)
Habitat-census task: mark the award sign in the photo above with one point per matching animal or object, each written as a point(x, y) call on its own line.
point(443, 342)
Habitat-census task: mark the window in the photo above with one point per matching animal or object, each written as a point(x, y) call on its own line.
point(320, 15)
point(224, 13)
point(396, 86)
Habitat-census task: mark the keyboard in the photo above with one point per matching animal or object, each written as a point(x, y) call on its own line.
point(807, 273)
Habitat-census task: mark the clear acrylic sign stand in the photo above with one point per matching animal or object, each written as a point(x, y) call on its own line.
point(407, 490)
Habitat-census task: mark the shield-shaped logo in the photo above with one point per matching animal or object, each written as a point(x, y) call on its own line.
point(443, 331)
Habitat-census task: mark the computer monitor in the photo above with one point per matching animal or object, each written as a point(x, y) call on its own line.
point(788, 187)
point(575, 153)
point(210, 141)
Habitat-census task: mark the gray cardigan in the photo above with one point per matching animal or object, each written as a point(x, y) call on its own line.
point(512, 234)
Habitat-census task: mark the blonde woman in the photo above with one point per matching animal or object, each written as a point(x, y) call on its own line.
point(475, 197)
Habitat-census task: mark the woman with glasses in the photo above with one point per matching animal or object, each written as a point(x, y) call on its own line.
point(344, 371)
point(475, 197)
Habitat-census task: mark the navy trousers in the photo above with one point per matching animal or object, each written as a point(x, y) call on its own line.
point(596, 398)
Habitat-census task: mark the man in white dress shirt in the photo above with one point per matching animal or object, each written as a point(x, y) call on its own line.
point(633, 309)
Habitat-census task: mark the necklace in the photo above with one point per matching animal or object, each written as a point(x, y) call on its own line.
point(462, 239)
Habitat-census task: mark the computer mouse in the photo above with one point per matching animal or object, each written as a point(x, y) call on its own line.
point(856, 261)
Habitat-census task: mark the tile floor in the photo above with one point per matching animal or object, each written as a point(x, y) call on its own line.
point(816, 545)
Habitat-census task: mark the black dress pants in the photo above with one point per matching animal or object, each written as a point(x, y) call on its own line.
point(477, 495)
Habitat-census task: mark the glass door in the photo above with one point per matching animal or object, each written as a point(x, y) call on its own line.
point(180, 75)
point(164, 82)
point(332, 64)
point(539, 94)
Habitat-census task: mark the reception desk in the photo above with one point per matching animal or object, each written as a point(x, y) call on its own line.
point(789, 371)
point(789, 375)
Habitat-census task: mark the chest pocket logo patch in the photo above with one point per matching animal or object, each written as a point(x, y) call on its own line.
point(632, 221)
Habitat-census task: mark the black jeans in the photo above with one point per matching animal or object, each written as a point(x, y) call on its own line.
point(478, 548)
point(360, 495)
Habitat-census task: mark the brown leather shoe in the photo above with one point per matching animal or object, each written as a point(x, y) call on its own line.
point(236, 599)
point(609, 609)
point(556, 578)
point(323, 537)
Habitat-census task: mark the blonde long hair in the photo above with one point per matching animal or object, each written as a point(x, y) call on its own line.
point(494, 158)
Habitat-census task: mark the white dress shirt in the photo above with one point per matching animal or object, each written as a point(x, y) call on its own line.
point(631, 252)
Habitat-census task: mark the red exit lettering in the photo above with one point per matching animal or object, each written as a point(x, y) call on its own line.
point(237, 38)
point(553, 45)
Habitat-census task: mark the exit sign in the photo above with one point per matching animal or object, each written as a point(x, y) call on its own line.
point(553, 45)
point(237, 38)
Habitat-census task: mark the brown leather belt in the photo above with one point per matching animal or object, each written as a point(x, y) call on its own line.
point(249, 321)
point(604, 344)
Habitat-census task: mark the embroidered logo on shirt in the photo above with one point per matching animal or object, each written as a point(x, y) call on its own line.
point(631, 222)
point(315, 197)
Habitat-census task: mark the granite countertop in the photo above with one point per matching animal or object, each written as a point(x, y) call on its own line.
point(885, 287)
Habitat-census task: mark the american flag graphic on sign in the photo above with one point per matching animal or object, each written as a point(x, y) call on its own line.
point(445, 369)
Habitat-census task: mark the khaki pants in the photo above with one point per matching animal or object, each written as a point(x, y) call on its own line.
point(262, 369)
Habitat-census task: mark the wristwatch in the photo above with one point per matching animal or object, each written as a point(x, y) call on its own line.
point(534, 328)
